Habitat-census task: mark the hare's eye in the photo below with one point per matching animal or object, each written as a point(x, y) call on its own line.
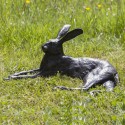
point(51, 43)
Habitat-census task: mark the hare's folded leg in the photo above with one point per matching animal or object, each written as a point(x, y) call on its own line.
point(99, 76)
point(25, 72)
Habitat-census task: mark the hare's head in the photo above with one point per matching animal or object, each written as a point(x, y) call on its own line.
point(54, 46)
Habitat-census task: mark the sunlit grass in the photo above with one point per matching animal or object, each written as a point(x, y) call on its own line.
point(24, 26)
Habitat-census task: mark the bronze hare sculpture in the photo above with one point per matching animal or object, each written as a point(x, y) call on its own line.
point(91, 71)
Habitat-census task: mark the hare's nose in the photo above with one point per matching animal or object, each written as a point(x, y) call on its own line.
point(44, 48)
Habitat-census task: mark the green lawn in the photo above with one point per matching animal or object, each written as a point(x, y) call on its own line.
point(25, 26)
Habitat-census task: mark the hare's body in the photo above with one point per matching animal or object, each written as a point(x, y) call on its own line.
point(91, 71)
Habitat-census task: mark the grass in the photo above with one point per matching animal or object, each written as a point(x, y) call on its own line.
point(25, 26)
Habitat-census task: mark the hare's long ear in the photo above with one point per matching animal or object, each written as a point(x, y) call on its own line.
point(63, 31)
point(70, 35)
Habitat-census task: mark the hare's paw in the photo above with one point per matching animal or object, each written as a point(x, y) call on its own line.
point(8, 78)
